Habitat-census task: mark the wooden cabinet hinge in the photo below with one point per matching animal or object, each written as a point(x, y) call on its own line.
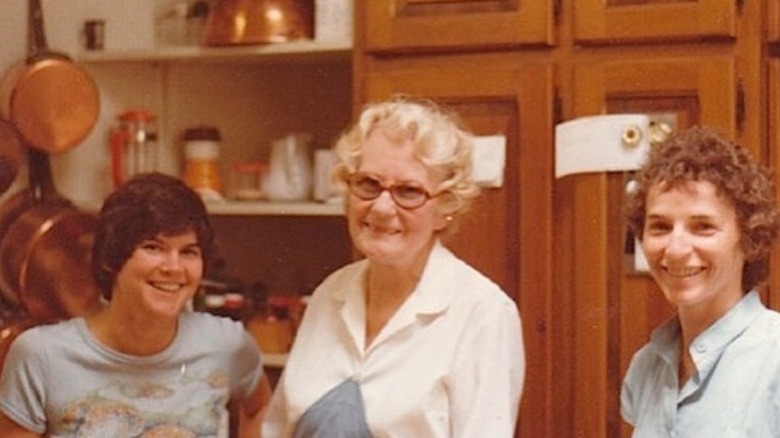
point(740, 106)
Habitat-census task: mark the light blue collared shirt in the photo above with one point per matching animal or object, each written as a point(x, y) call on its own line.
point(736, 391)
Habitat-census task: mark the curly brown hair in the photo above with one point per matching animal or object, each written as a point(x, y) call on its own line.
point(701, 154)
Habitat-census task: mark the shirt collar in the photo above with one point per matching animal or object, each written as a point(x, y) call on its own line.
point(429, 295)
point(707, 348)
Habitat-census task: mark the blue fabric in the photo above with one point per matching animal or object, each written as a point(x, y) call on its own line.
point(735, 392)
point(338, 414)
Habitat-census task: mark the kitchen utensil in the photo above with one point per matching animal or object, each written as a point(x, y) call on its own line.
point(44, 253)
point(233, 22)
point(289, 172)
point(133, 145)
point(52, 102)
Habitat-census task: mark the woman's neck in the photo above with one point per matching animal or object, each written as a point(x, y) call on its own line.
point(387, 287)
point(131, 333)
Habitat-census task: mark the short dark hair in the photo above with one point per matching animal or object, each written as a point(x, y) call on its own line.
point(146, 206)
point(701, 154)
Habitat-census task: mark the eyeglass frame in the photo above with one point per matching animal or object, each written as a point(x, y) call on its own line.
point(352, 180)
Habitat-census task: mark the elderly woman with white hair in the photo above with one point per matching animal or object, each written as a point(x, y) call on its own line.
point(409, 341)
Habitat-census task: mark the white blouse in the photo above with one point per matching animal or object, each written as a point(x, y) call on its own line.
point(449, 363)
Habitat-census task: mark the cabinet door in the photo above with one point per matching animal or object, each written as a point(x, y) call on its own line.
point(508, 233)
point(601, 21)
point(773, 127)
point(773, 20)
point(613, 308)
point(393, 25)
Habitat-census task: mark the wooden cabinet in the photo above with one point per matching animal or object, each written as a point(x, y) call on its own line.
point(613, 308)
point(693, 61)
point(600, 21)
point(773, 131)
point(773, 20)
point(508, 233)
point(403, 25)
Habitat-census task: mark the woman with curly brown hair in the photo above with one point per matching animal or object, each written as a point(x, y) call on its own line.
point(706, 218)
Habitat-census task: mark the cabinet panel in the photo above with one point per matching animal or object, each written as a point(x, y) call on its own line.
point(773, 128)
point(508, 234)
point(600, 21)
point(616, 308)
point(394, 25)
point(773, 20)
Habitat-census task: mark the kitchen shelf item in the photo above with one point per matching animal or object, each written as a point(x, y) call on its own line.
point(294, 51)
point(236, 22)
point(201, 152)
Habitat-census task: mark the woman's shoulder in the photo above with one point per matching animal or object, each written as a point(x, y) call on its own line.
point(47, 336)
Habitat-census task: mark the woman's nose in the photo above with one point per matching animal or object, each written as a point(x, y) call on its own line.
point(384, 202)
point(678, 243)
point(171, 262)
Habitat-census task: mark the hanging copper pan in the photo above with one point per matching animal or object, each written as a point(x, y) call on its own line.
point(52, 102)
point(44, 253)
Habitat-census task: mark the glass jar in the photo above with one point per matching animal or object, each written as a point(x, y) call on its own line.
point(246, 180)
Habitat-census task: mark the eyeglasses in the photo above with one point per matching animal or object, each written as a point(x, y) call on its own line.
point(404, 195)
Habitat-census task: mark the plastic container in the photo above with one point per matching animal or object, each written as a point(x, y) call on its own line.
point(201, 169)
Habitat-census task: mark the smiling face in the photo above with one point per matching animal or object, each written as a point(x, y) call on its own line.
point(692, 243)
point(380, 229)
point(161, 275)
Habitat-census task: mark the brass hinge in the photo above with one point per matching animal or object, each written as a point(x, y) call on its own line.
point(740, 106)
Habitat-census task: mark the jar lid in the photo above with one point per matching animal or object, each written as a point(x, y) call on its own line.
point(202, 132)
point(136, 115)
point(249, 167)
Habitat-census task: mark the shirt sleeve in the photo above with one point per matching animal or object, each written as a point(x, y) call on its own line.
point(247, 364)
point(487, 381)
point(21, 384)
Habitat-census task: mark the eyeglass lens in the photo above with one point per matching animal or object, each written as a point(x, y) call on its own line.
point(405, 195)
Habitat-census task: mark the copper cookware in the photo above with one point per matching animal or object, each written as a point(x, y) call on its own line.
point(52, 102)
point(44, 252)
point(233, 22)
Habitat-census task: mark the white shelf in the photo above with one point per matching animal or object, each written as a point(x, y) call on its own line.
point(266, 208)
point(305, 50)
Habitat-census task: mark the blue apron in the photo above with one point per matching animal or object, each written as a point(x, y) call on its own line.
point(338, 414)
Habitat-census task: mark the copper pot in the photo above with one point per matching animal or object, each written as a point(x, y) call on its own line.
point(234, 22)
point(52, 102)
point(45, 249)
